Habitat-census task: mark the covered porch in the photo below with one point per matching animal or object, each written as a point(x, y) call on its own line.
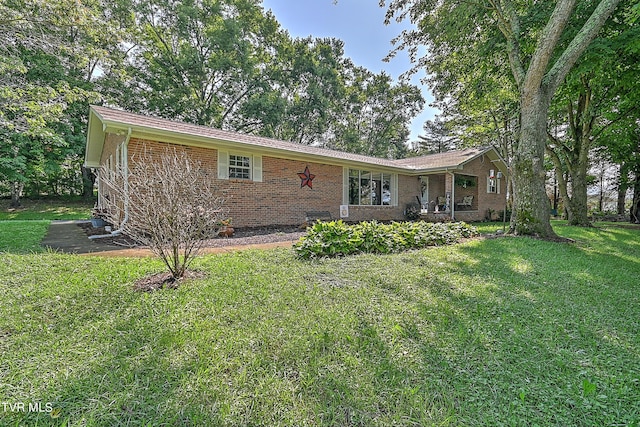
point(443, 195)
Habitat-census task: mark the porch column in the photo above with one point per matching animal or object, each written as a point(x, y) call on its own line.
point(448, 189)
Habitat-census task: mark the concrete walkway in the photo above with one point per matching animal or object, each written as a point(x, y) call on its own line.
point(68, 237)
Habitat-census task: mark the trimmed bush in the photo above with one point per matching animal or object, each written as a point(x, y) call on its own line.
point(335, 238)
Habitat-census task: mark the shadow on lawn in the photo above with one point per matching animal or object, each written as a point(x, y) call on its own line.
point(565, 320)
point(499, 335)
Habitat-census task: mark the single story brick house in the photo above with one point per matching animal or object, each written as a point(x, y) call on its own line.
point(269, 182)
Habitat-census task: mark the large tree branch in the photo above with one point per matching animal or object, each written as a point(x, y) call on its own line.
point(579, 44)
point(548, 42)
point(509, 26)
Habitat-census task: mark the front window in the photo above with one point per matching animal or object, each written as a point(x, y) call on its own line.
point(239, 167)
point(493, 185)
point(368, 188)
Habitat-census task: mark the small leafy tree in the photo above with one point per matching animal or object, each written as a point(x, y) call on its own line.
point(166, 201)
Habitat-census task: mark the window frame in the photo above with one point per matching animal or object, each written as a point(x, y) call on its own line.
point(225, 166)
point(495, 187)
point(374, 185)
point(238, 171)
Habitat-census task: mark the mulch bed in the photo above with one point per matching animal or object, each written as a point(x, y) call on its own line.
point(241, 236)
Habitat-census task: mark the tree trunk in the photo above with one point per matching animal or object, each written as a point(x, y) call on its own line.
point(578, 215)
point(16, 193)
point(635, 206)
point(623, 185)
point(564, 194)
point(601, 189)
point(531, 203)
point(88, 181)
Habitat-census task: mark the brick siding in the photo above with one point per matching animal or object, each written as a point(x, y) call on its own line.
point(280, 200)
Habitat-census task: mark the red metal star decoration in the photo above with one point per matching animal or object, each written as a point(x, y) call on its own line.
point(306, 178)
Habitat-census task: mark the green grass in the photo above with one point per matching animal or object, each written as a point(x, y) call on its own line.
point(508, 331)
point(47, 209)
point(22, 236)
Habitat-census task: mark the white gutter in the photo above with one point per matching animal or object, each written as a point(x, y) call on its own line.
point(125, 171)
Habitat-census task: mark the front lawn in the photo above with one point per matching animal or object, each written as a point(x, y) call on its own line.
point(505, 331)
point(22, 236)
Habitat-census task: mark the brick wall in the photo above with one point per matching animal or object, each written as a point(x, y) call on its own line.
point(279, 199)
point(483, 201)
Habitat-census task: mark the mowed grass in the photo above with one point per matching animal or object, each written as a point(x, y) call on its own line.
point(506, 331)
point(47, 209)
point(22, 236)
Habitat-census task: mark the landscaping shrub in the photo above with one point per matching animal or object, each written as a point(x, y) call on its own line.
point(334, 238)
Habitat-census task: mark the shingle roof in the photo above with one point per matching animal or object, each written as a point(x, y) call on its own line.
point(449, 159)
point(110, 117)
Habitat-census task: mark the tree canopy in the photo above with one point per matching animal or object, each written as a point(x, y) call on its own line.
point(497, 52)
point(220, 63)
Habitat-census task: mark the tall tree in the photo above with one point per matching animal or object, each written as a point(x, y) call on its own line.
point(437, 138)
point(35, 90)
point(540, 47)
point(594, 96)
point(375, 115)
point(309, 81)
point(198, 60)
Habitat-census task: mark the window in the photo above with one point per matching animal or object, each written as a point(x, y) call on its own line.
point(493, 185)
point(368, 188)
point(111, 170)
point(239, 167)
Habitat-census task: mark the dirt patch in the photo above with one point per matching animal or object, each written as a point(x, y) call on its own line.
point(165, 280)
point(627, 226)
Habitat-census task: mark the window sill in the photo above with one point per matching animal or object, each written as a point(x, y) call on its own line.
point(239, 180)
point(373, 206)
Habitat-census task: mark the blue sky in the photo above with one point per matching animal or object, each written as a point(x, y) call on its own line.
point(360, 25)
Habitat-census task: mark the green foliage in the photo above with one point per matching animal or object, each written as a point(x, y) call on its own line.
point(50, 54)
point(225, 63)
point(503, 62)
point(597, 98)
point(230, 65)
point(336, 238)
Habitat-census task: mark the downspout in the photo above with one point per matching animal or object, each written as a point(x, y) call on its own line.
point(125, 172)
point(453, 195)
